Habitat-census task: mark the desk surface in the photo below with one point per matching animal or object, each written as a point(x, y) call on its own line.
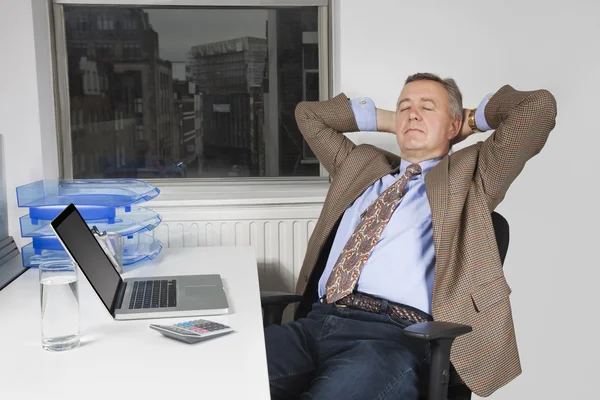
point(118, 358)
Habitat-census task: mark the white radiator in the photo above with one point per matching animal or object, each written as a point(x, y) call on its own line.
point(280, 243)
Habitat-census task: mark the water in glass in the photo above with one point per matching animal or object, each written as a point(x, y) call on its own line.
point(59, 306)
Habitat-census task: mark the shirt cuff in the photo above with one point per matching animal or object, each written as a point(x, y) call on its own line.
point(480, 121)
point(364, 113)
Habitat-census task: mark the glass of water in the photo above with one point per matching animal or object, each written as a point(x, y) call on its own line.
point(59, 305)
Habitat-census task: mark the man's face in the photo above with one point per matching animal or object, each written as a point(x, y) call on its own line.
point(424, 126)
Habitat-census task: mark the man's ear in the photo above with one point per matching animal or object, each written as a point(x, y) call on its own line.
point(455, 128)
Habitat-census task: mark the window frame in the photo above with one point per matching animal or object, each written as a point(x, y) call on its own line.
point(63, 118)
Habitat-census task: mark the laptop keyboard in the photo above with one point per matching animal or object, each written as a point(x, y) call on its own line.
point(153, 294)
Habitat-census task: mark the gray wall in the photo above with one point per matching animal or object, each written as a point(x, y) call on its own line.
point(552, 207)
point(3, 210)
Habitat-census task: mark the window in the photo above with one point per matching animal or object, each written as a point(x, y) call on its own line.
point(104, 50)
point(105, 22)
point(129, 22)
point(139, 106)
point(81, 25)
point(139, 132)
point(132, 50)
point(194, 92)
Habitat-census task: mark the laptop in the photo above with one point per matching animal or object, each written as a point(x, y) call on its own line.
point(136, 298)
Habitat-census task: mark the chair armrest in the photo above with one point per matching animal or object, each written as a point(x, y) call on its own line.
point(273, 305)
point(435, 330)
point(278, 298)
point(440, 336)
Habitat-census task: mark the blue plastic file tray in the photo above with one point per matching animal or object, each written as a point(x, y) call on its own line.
point(87, 212)
point(139, 248)
point(85, 192)
point(126, 223)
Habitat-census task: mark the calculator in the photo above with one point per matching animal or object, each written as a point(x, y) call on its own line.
point(193, 331)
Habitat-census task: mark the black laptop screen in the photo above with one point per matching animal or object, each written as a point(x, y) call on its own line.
point(85, 249)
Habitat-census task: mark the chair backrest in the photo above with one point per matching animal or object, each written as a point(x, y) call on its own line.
point(501, 230)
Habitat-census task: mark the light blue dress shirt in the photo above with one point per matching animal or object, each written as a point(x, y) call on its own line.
point(401, 266)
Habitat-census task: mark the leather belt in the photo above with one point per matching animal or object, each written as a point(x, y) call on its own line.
point(361, 301)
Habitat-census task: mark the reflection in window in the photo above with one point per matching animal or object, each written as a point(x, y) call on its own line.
point(105, 22)
point(131, 50)
point(189, 92)
point(104, 50)
point(129, 23)
point(82, 24)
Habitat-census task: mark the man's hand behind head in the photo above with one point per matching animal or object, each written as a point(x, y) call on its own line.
point(465, 130)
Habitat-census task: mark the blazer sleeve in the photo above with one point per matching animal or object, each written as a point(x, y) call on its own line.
point(522, 122)
point(322, 123)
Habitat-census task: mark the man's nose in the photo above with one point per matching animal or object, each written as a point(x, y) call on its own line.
point(414, 114)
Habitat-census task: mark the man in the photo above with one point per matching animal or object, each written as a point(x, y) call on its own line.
point(404, 240)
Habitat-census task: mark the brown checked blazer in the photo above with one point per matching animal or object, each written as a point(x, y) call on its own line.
point(463, 189)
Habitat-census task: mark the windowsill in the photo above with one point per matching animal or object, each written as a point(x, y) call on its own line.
point(236, 192)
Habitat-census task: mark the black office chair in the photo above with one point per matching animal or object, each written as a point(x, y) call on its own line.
point(444, 383)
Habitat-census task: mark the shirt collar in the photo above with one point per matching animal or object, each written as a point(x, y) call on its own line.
point(425, 165)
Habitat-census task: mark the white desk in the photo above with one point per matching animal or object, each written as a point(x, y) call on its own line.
point(119, 358)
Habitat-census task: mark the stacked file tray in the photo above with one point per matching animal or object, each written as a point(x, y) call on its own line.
point(112, 205)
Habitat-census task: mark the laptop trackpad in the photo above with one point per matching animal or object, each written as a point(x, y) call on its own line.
point(196, 290)
point(203, 297)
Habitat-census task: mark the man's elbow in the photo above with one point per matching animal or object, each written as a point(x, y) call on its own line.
point(305, 111)
point(301, 111)
point(543, 109)
point(306, 118)
point(545, 106)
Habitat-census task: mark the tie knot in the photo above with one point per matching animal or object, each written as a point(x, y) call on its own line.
point(412, 170)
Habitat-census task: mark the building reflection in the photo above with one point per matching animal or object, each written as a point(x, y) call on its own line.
point(132, 115)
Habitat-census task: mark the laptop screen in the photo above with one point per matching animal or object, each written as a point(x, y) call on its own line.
point(86, 251)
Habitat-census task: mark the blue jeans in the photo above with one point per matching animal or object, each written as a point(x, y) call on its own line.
point(344, 353)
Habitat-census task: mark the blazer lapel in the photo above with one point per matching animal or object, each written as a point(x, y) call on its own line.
point(436, 186)
point(375, 170)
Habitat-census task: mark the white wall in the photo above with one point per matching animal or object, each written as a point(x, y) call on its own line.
point(552, 264)
point(27, 120)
